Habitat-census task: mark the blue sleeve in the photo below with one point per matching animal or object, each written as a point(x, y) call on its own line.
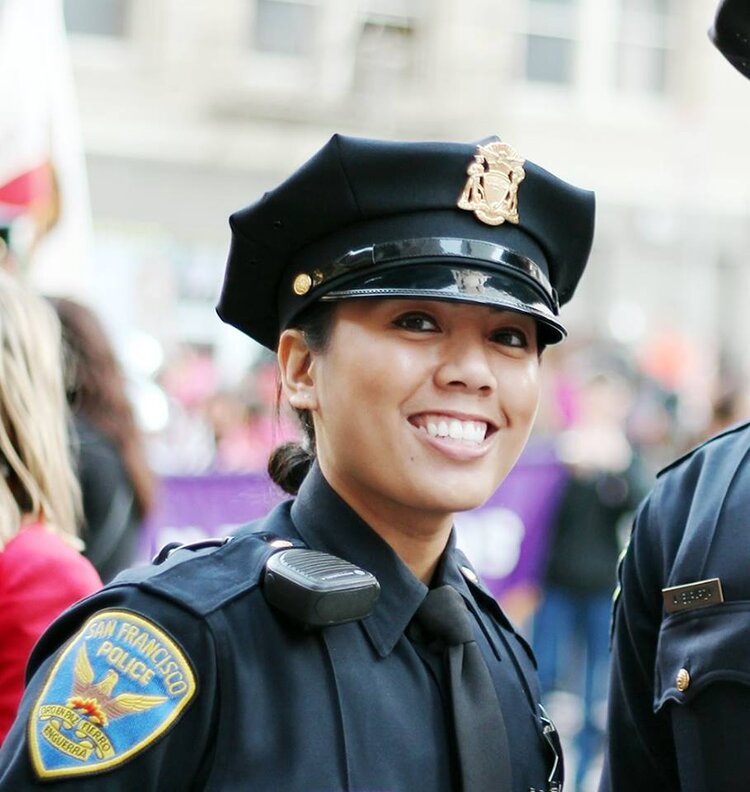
point(639, 752)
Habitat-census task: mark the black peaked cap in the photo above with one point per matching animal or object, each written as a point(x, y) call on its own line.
point(374, 218)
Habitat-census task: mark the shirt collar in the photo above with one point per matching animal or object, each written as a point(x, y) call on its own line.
point(326, 522)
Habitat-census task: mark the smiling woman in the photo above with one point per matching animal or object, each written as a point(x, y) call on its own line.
point(446, 392)
point(409, 290)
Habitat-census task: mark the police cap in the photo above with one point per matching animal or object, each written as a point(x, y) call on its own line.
point(369, 218)
point(731, 33)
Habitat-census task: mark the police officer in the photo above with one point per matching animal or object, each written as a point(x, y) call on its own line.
point(408, 289)
point(680, 683)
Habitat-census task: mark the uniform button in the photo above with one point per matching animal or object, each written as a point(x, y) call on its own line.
point(469, 574)
point(302, 284)
point(683, 680)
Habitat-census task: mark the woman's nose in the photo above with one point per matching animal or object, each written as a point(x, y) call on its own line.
point(465, 365)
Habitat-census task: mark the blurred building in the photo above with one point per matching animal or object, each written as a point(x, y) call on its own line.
point(191, 110)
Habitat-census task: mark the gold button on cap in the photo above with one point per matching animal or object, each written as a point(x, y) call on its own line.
point(683, 680)
point(302, 284)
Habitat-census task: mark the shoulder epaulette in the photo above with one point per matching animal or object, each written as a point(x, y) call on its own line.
point(205, 575)
point(711, 440)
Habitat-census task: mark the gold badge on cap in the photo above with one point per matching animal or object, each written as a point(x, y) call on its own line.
point(491, 190)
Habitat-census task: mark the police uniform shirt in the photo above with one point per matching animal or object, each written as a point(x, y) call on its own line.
point(680, 684)
point(357, 706)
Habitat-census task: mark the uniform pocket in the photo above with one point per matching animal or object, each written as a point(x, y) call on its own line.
point(699, 648)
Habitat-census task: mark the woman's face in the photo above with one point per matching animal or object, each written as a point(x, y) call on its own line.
point(421, 407)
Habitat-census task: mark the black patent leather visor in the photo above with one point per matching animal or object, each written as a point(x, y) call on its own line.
point(464, 270)
point(456, 281)
point(409, 251)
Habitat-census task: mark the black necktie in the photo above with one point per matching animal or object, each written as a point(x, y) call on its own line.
point(482, 740)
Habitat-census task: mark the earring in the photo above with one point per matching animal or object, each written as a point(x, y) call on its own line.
point(300, 400)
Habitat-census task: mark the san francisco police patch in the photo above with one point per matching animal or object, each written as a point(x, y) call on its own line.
point(114, 690)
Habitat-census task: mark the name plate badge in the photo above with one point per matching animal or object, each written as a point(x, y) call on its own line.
point(692, 596)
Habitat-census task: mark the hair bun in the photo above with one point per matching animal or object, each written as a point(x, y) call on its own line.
point(288, 465)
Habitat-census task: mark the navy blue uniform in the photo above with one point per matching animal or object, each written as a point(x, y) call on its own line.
point(357, 706)
point(680, 685)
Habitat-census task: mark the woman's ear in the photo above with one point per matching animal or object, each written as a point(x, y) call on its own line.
point(295, 364)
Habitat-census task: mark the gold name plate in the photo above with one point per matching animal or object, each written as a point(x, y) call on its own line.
point(692, 596)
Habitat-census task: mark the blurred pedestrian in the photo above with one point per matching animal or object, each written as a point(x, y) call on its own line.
point(41, 569)
point(605, 482)
point(116, 481)
point(680, 683)
point(409, 290)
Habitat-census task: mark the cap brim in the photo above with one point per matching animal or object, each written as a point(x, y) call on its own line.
point(441, 281)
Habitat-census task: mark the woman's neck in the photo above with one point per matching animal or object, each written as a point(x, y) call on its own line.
point(417, 536)
point(420, 552)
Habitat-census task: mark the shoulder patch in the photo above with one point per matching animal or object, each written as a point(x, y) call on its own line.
point(729, 431)
point(118, 685)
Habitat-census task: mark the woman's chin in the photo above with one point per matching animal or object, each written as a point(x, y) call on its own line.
point(458, 500)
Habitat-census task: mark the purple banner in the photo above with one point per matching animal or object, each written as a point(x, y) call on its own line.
point(505, 539)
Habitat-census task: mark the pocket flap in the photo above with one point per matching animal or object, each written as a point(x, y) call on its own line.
point(697, 648)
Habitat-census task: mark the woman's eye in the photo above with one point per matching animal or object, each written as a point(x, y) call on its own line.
point(420, 323)
point(511, 336)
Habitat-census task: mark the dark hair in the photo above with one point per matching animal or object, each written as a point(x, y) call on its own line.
point(96, 389)
point(289, 463)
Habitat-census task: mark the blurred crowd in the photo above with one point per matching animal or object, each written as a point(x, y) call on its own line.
point(214, 428)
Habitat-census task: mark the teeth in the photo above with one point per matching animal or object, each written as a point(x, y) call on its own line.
point(468, 431)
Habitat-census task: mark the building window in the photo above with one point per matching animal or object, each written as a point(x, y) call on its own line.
point(97, 17)
point(385, 53)
point(284, 27)
point(644, 44)
point(551, 41)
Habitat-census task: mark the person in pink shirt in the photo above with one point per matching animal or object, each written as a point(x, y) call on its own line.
point(41, 569)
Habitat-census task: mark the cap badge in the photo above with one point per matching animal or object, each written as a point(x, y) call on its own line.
point(491, 190)
point(471, 281)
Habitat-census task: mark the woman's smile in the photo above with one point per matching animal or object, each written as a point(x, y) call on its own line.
point(458, 436)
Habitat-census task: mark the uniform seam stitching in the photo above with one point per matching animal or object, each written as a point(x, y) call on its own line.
point(346, 177)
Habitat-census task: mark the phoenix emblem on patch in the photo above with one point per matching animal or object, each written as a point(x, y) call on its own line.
point(113, 691)
point(491, 190)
